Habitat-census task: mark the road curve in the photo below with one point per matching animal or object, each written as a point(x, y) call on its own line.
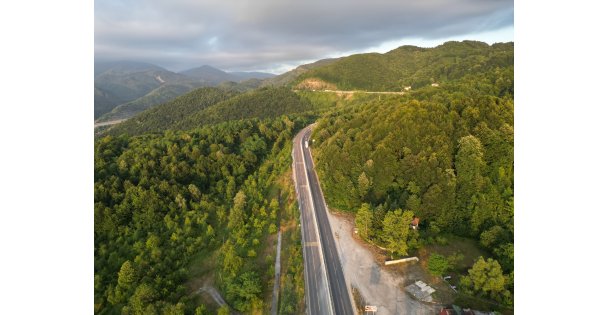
point(326, 289)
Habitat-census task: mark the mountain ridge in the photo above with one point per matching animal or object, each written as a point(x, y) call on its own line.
point(125, 88)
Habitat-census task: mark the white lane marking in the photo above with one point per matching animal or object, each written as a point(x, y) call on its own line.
point(306, 274)
point(324, 269)
point(350, 295)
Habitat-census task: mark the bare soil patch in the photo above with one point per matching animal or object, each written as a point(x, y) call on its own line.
point(364, 269)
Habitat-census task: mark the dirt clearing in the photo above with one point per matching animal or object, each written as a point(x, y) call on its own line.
point(375, 285)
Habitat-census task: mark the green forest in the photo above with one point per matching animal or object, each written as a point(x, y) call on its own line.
point(413, 66)
point(206, 106)
point(162, 199)
point(196, 187)
point(442, 155)
point(165, 116)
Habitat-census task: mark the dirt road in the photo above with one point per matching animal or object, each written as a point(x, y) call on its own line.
point(107, 123)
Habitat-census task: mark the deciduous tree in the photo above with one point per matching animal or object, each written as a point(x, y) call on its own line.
point(363, 221)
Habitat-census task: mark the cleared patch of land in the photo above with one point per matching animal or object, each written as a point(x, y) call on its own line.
point(375, 284)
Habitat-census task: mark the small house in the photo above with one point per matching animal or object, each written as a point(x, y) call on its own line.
point(447, 311)
point(407, 88)
point(435, 84)
point(415, 223)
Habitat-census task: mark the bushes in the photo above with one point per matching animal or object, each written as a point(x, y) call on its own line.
point(438, 264)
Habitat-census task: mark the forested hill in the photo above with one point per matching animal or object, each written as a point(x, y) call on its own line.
point(412, 66)
point(443, 154)
point(165, 116)
point(164, 201)
point(262, 103)
point(211, 106)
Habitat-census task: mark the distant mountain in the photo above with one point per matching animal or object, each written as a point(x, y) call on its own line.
point(125, 81)
point(214, 76)
point(105, 101)
point(161, 94)
point(243, 86)
point(243, 76)
point(209, 74)
point(126, 88)
point(124, 66)
point(408, 66)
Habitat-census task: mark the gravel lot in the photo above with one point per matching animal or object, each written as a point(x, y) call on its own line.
point(376, 285)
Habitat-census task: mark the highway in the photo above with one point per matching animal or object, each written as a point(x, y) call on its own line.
point(326, 290)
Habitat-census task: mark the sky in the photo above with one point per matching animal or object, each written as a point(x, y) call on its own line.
point(278, 35)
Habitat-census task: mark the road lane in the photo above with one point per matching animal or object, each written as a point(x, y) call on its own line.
point(314, 221)
point(317, 288)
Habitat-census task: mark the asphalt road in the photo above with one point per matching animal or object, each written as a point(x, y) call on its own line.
point(326, 290)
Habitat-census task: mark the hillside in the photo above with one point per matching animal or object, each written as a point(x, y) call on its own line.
point(175, 210)
point(411, 66)
point(261, 103)
point(441, 154)
point(161, 94)
point(125, 81)
point(165, 116)
point(206, 106)
point(104, 101)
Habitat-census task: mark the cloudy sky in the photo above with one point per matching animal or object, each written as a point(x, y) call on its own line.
point(277, 35)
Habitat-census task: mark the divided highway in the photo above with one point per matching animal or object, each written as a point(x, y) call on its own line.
point(326, 290)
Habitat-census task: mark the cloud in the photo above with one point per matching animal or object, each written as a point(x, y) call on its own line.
point(265, 34)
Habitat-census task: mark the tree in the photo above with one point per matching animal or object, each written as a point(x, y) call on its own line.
point(486, 277)
point(200, 310)
point(396, 229)
point(178, 309)
point(231, 261)
point(245, 291)
point(224, 310)
point(492, 236)
point(364, 184)
point(378, 220)
point(469, 168)
point(363, 220)
point(194, 192)
point(236, 219)
point(144, 295)
point(126, 275)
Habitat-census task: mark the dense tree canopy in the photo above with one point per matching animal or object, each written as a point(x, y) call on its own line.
point(415, 66)
point(442, 154)
point(161, 199)
point(207, 106)
point(162, 117)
